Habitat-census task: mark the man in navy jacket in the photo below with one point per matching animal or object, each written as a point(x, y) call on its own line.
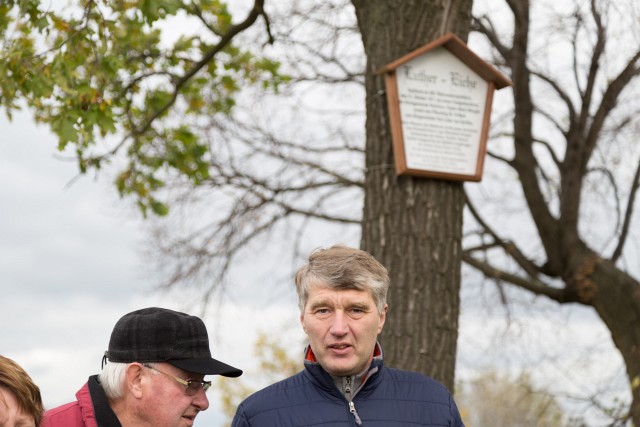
point(342, 296)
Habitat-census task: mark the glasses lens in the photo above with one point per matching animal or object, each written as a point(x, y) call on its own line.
point(194, 386)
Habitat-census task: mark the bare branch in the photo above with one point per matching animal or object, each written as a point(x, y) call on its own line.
point(553, 119)
point(195, 9)
point(561, 93)
point(252, 141)
point(550, 150)
point(536, 286)
point(574, 45)
point(499, 157)
point(624, 232)
point(609, 101)
point(509, 247)
point(484, 25)
point(596, 54)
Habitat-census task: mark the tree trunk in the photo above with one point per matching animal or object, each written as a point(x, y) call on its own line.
point(616, 297)
point(412, 225)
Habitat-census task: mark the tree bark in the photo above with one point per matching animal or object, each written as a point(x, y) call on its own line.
point(616, 297)
point(412, 225)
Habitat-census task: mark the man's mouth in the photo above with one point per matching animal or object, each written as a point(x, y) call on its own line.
point(340, 346)
point(190, 417)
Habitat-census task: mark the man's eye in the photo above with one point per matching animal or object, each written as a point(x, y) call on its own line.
point(358, 312)
point(322, 311)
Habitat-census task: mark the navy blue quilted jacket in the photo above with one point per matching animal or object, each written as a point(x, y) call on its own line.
point(388, 398)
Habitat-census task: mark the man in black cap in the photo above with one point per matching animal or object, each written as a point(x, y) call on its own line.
point(157, 360)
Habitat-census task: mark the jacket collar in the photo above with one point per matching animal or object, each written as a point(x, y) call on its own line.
point(322, 379)
point(103, 412)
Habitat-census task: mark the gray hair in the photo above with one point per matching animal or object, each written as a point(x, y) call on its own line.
point(342, 267)
point(112, 378)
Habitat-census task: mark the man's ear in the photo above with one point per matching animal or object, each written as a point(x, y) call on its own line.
point(302, 322)
point(133, 379)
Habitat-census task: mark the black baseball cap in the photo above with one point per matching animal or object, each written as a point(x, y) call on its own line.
point(161, 335)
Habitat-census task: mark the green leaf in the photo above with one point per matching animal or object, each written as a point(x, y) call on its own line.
point(64, 127)
point(159, 208)
point(153, 10)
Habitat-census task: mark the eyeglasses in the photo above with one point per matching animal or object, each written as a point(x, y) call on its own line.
point(192, 385)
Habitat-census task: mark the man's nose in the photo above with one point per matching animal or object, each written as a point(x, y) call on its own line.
point(200, 400)
point(339, 324)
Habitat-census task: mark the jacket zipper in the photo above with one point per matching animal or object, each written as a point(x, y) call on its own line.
point(352, 406)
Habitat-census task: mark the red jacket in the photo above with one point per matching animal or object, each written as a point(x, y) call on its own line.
point(92, 405)
point(74, 414)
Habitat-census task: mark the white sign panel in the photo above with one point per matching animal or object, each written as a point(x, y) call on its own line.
point(442, 103)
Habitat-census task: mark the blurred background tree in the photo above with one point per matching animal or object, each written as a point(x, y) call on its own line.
point(273, 363)
point(495, 400)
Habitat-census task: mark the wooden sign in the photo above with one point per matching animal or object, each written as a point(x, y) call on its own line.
point(439, 98)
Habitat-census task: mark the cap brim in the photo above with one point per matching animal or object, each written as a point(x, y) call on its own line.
point(206, 366)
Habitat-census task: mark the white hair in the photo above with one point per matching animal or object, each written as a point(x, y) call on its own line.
point(112, 379)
